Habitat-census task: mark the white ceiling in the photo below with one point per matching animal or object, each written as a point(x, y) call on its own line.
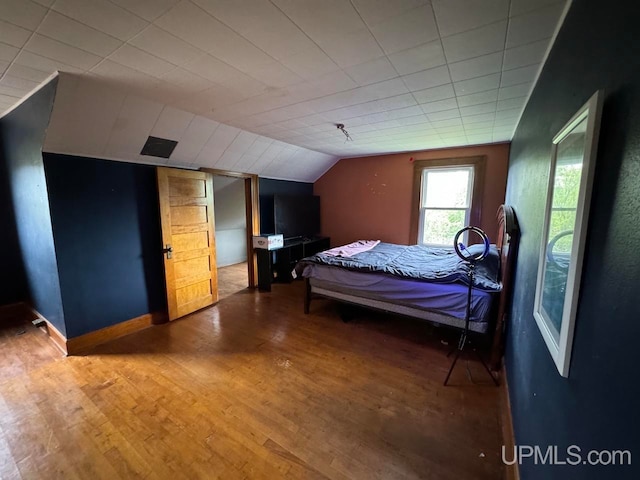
point(399, 74)
point(92, 118)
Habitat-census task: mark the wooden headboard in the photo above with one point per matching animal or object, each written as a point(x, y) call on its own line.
point(507, 242)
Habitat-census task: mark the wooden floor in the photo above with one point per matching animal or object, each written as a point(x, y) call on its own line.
point(232, 279)
point(250, 388)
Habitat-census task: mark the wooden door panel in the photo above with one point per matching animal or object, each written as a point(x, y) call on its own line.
point(187, 308)
point(189, 215)
point(193, 266)
point(175, 229)
point(186, 209)
point(191, 279)
point(193, 292)
point(177, 201)
point(189, 254)
point(190, 241)
point(187, 187)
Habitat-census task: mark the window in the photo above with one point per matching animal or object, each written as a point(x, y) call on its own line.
point(447, 197)
point(445, 204)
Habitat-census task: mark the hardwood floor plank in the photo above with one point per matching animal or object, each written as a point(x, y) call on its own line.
point(8, 468)
point(127, 462)
point(249, 388)
point(232, 279)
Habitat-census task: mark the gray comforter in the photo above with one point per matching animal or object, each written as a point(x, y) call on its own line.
point(439, 265)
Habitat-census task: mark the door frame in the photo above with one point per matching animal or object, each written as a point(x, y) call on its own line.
point(252, 213)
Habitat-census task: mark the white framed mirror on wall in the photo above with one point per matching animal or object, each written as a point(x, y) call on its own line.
point(573, 158)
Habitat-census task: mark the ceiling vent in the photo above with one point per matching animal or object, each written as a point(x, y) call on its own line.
point(158, 147)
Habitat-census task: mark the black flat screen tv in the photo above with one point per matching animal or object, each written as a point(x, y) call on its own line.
point(296, 216)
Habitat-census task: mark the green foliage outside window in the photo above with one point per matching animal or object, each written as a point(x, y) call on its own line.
point(440, 226)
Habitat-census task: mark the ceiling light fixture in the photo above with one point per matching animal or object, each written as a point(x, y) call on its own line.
point(340, 127)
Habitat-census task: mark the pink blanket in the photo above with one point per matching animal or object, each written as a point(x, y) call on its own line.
point(353, 248)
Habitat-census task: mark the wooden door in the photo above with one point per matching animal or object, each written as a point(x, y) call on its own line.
point(186, 215)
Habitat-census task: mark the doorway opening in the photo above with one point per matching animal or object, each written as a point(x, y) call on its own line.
point(235, 213)
point(231, 234)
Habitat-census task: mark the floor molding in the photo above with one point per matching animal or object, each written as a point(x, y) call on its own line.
point(29, 314)
point(58, 339)
point(508, 436)
point(83, 343)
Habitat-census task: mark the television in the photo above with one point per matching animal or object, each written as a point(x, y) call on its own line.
point(296, 216)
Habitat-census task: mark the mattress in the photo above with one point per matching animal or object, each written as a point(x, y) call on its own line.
point(449, 299)
point(416, 262)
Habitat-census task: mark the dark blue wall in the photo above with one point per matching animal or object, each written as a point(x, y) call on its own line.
point(107, 234)
point(267, 188)
point(23, 132)
point(13, 283)
point(596, 407)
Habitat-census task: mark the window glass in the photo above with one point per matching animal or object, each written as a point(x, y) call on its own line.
point(446, 188)
point(440, 226)
point(445, 204)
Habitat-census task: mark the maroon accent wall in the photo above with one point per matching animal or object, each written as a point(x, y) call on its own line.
point(370, 197)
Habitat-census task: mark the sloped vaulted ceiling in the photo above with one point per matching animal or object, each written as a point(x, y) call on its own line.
point(92, 118)
point(401, 75)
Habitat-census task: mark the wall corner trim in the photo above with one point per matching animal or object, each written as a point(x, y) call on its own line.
point(512, 472)
point(83, 343)
point(58, 339)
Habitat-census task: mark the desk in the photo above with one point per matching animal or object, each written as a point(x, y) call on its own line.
point(276, 265)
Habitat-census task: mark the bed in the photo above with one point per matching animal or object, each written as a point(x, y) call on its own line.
point(419, 282)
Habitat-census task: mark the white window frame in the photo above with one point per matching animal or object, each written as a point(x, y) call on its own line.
point(476, 162)
point(423, 194)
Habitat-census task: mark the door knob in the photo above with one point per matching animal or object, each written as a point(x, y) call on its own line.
point(168, 250)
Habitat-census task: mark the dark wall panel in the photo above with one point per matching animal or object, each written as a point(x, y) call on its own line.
point(107, 235)
point(23, 132)
point(268, 188)
point(13, 283)
point(596, 407)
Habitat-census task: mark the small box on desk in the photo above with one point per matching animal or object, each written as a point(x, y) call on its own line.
point(268, 241)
